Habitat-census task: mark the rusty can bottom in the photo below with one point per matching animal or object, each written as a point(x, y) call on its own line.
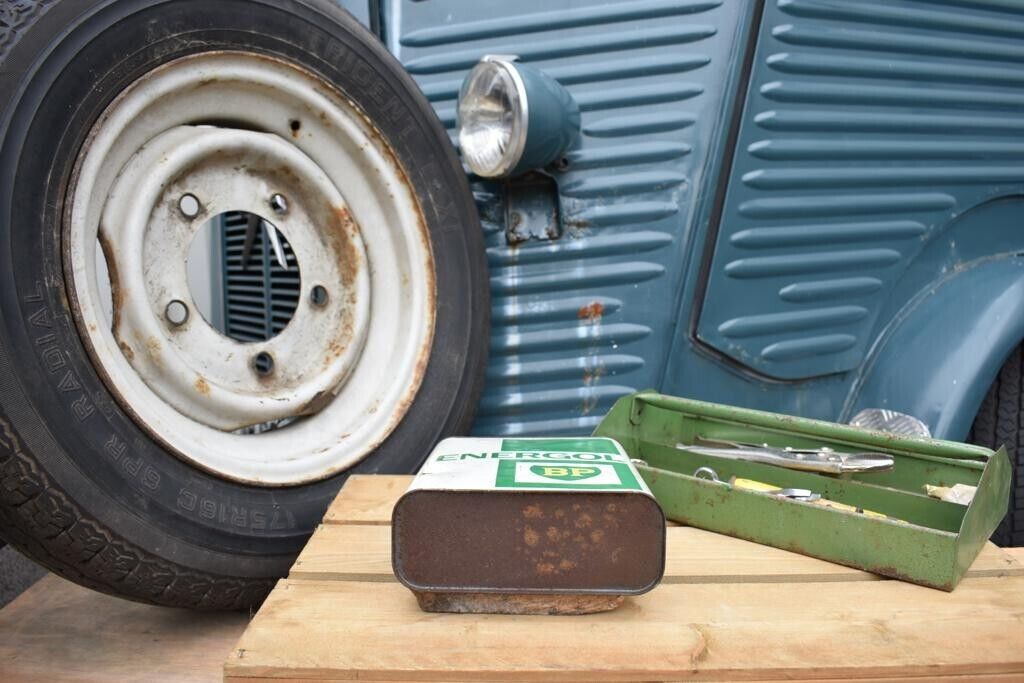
point(517, 603)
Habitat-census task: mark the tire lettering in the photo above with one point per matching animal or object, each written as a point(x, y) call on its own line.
point(69, 383)
point(187, 500)
point(53, 359)
point(132, 467)
point(207, 509)
point(37, 295)
point(150, 479)
point(279, 521)
point(117, 449)
point(41, 318)
point(237, 516)
point(82, 409)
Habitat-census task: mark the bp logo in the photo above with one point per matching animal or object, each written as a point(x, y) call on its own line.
point(518, 474)
point(565, 472)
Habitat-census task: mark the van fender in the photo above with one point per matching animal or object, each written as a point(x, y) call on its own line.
point(937, 359)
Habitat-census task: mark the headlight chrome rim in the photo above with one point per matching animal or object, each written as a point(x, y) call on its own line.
point(520, 118)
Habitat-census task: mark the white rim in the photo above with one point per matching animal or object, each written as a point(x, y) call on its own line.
point(348, 366)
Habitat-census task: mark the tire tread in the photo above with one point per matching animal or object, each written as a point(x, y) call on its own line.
point(1000, 422)
point(43, 523)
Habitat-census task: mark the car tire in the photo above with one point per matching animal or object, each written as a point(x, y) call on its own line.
point(1000, 423)
point(88, 488)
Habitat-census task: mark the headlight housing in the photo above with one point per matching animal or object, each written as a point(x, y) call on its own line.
point(513, 117)
point(493, 117)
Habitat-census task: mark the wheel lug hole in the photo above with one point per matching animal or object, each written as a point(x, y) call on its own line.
point(279, 204)
point(176, 313)
point(189, 205)
point(318, 296)
point(263, 364)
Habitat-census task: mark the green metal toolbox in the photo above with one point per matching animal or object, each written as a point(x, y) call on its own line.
point(920, 539)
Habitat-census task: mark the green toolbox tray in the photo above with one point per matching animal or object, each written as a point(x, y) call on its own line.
point(921, 539)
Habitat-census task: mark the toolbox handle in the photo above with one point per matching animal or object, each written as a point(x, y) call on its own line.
point(854, 437)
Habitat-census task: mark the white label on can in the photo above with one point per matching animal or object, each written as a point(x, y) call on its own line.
point(581, 464)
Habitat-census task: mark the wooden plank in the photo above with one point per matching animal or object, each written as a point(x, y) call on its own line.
point(345, 552)
point(59, 631)
point(337, 630)
point(1016, 554)
point(367, 499)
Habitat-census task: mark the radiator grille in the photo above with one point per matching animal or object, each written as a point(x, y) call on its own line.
point(260, 297)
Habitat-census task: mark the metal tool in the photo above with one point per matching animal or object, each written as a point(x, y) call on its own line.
point(822, 459)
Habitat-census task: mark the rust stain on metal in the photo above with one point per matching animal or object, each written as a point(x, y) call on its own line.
point(116, 291)
point(543, 546)
point(341, 230)
point(202, 386)
point(591, 313)
point(592, 375)
point(423, 233)
point(153, 350)
point(498, 603)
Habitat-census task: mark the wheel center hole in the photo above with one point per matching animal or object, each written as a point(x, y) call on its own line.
point(244, 276)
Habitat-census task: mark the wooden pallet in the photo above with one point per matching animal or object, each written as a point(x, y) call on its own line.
point(727, 610)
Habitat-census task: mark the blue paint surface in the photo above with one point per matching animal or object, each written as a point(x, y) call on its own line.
point(876, 144)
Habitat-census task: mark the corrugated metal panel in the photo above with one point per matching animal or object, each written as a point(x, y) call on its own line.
point(869, 126)
point(260, 297)
point(583, 320)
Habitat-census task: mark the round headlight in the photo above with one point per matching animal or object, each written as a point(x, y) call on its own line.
point(493, 118)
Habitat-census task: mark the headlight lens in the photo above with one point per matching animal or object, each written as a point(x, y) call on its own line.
point(492, 118)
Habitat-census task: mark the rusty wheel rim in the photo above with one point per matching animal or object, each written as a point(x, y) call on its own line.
point(222, 132)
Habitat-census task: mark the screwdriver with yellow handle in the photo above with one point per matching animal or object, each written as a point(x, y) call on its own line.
point(804, 495)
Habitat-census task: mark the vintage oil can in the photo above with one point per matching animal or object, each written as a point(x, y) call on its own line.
point(527, 526)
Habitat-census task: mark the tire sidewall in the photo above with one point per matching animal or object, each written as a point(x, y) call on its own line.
point(82, 54)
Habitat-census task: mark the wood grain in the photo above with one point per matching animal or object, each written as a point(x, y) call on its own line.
point(727, 610)
point(367, 499)
point(59, 631)
point(348, 552)
point(339, 630)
